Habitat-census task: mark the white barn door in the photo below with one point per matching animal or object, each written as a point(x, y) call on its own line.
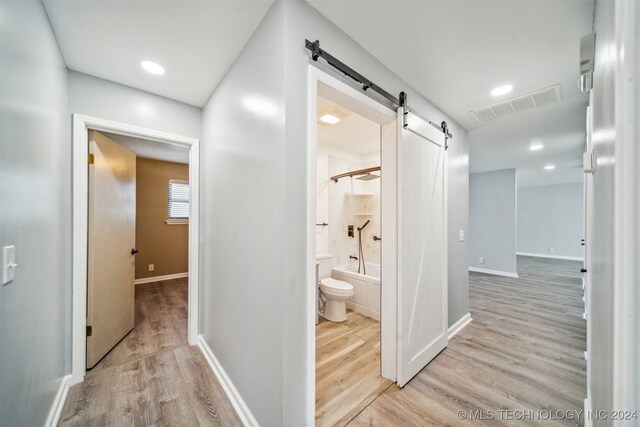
point(422, 246)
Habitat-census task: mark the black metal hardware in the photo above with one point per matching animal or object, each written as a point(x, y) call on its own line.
point(353, 257)
point(583, 270)
point(316, 52)
point(324, 224)
point(89, 330)
point(364, 225)
point(350, 231)
point(376, 238)
point(134, 251)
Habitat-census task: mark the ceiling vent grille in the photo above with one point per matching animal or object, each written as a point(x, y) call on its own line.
point(538, 98)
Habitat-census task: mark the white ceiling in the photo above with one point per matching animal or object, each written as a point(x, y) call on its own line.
point(151, 149)
point(195, 41)
point(456, 52)
point(353, 133)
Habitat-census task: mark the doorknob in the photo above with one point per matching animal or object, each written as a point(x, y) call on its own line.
point(134, 251)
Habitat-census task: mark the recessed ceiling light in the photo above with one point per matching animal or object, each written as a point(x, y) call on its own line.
point(549, 167)
point(330, 119)
point(501, 90)
point(152, 67)
point(536, 147)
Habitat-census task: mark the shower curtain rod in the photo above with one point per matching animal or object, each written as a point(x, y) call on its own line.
point(316, 52)
point(356, 172)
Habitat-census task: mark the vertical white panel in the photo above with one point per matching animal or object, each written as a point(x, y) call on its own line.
point(422, 287)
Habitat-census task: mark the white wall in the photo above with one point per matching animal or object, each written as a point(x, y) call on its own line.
point(100, 98)
point(492, 220)
point(613, 234)
point(243, 221)
point(551, 216)
point(336, 204)
point(255, 209)
point(35, 214)
point(302, 22)
point(325, 186)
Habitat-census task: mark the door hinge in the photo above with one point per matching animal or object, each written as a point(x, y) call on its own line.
point(89, 330)
point(91, 158)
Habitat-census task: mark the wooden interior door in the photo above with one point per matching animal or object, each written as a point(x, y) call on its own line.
point(111, 259)
point(422, 246)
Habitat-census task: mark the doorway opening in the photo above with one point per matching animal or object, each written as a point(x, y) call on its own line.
point(137, 249)
point(135, 218)
point(412, 223)
point(353, 356)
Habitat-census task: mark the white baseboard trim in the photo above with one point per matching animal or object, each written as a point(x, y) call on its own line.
point(58, 403)
point(588, 422)
point(570, 258)
point(238, 403)
point(494, 272)
point(459, 325)
point(160, 278)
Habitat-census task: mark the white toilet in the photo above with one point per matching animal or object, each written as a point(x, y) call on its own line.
point(333, 292)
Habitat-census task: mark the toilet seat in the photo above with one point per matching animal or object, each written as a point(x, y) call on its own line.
point(336, 287)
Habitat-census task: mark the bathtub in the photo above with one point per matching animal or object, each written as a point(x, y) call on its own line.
point(366, 289)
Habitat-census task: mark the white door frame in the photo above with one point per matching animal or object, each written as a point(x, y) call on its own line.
point(80, 143)
point(389, 309)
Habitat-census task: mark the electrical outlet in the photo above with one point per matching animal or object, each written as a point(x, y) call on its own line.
point(152, 267)
point(551, 249)
point(461, 235)
point(481, 260)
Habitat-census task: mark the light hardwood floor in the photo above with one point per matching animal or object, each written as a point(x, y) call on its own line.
point(153, 376)
point(347, 368)
point(522, 351)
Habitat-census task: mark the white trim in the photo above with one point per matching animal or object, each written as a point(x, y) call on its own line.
point(161, 278)
point(570, 258)
point(58, 402)
point(234, 396)
point(494, 272)
point(80, 148)
point(588, 421)
point(459, 325)
point(389, 308)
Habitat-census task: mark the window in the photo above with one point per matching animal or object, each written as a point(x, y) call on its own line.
point(178, 202)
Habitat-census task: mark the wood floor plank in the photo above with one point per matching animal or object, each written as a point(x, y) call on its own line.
point(347, 368)
point(523, 351)
point(152, 377)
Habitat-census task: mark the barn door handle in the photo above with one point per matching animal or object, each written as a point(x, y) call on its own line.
point(134, 251)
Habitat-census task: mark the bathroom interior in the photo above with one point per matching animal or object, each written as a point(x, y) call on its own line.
point(348, 242)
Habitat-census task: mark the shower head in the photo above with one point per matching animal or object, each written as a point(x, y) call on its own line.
point(368, 177)
point(364, 225)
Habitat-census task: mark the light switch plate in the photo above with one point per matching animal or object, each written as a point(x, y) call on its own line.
point(8, 264)
point(481, 260)
point(461, 235)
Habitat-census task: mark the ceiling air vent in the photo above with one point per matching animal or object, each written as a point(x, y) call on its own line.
point(538, 98)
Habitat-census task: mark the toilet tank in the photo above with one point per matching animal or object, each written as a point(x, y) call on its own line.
point(325, 264)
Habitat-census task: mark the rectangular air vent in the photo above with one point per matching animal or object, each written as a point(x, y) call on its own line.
point(538, 98)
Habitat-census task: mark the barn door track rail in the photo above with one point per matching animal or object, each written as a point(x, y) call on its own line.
point(400, 101)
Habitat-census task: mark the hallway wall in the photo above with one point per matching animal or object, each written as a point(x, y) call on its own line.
point(551, 216)
point(108, 100)
point(243, 222)
point(492, 220)
point(303, 21)
point(35, 214)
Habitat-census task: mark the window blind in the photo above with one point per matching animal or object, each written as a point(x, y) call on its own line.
point(178, 199)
